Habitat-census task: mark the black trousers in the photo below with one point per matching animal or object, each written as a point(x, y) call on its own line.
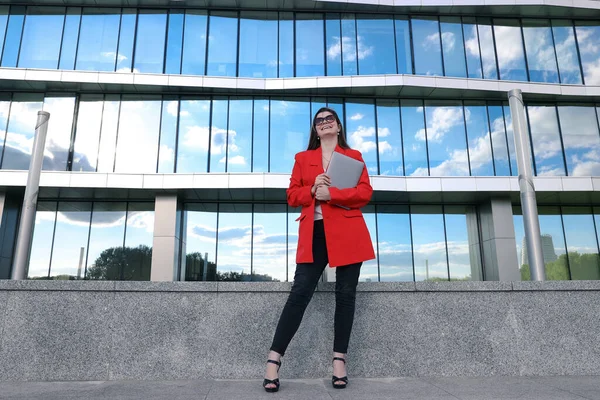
point(305, 281)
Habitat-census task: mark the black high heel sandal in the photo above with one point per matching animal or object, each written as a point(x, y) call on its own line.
point(272, 381)
point(335, 379)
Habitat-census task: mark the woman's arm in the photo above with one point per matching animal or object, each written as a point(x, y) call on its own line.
point(297, 193)
point(356, 197)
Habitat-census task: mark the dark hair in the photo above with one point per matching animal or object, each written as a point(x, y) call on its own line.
point(314, 142)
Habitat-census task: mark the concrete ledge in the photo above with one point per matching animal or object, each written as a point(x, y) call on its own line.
point(326, 287)
point(90, 330)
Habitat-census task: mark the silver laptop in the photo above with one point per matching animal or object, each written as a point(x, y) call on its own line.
point(344, 171)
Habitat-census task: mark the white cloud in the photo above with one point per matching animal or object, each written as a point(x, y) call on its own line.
point(442, 120)
point(348, 47)
point(357, 117)
point(383, 132)
point(448, 41)
point(384, 147)
point(357, 139)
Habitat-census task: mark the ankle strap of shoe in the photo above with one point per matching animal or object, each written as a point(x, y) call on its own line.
point(339, 359)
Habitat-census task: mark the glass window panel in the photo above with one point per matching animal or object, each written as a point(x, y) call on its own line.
point(168, 136)
point(239, 138)
point(389, 137)
point(509, 48)
point(292, 226)
point(499, 143)
point(193, 138)
point(566, 52)
point(511, 141)
point(41, 245)
point(21, 130)
point(429, 243)
point(539, 46)
point(219, 134)
point(316, 103)
point(286, 45)
point(70, 240)
point(582, 245)
point(201, 242)
point(126, 40)
point(446, 139)
point(174, 42)
point(258, 44)
point(4, 113)
point(69, 38)
point(427, 46)
point(403, 50)
point(269, 243)
point(520, 241)
point(194, 43)
point(487, 48)
point(545, 139)
point(234, 239)
point(42, 35)
point(376, 47)
point(150, 41)
point(453, 47)
point(394, 241)
point(12, 41)
point(462, 237)
point(369, 271)
point(58, 137)
point(349, 50)
point(588, 33)
point(87, 133)
point(139, 237)
point(413, 136)
point(139, 126)
point(338, 106)
point(581, 139)
point(3, 22)
point(260, 145)
point(98, 39)
point(472, 48)
point(478, 133)
point(222, 44)
point(360, 131)
point(105, 259)
point(108, 133)
point(553, 246)
point(291, 121)
point(333, 38)
point(310, 42)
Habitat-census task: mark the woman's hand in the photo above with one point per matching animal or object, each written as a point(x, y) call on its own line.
point(322, 179)
point(322, 193)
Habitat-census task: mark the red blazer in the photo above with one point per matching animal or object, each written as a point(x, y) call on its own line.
point(348, 239)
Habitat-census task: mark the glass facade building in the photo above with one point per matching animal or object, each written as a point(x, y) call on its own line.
point(174, 127)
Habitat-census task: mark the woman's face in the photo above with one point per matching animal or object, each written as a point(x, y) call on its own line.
point(326, 124)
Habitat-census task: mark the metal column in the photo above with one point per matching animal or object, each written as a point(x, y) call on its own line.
point(528, 200)
point(31, 194)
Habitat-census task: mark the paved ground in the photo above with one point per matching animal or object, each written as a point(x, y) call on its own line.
point(530, 388)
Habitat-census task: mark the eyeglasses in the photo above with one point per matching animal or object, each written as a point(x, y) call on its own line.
point(328, 118)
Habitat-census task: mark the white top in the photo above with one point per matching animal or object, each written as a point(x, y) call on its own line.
point(318, 212)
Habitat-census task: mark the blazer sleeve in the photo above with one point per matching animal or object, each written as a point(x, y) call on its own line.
point(297, 193)
point(356, 197)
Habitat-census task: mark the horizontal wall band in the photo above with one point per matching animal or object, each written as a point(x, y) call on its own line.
point(97, 180)
point(521, 8)
point(22, 79)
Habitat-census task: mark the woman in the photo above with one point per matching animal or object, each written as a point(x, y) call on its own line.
point(328, 234)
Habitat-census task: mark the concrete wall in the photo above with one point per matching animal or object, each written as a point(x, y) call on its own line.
point(61, 330)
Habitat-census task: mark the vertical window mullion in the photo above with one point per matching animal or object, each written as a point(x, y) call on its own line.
point(412, 244)
point(520, 20)
point(53, 238)
point(446, 240)
point(489, 126)
point(87, 252)
point(441, 46)
point(562, 144)
point(578, 53)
